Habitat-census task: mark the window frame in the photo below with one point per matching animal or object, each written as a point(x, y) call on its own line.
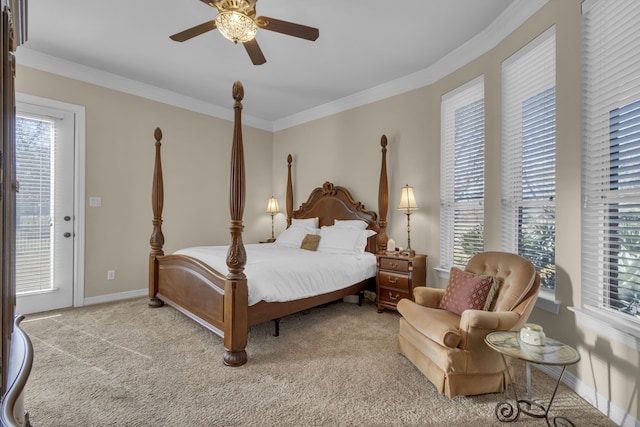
point(527, 75)
point(607, 86)
point(454, 207)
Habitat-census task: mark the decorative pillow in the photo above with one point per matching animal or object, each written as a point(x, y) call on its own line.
point(292, 237)
point(343, 240)
point(305, 222)
point(310, 242)
point(468, 291)
point(351, 223)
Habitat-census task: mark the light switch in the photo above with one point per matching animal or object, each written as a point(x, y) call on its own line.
point(95, 202)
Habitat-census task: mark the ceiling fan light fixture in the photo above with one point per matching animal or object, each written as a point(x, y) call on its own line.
point(236, 26)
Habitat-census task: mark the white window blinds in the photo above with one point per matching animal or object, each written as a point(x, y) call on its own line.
point(611, 160)
point(528, 155)
point(462, 174)
point(34, 163)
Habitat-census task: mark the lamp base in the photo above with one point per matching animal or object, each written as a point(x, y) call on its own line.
point(408, 252)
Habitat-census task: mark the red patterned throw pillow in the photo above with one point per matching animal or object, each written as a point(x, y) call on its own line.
point(468, 291)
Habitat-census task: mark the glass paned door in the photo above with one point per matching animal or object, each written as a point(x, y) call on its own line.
point(44, 208)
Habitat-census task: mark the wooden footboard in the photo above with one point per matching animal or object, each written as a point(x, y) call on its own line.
point(189, 286)
point(209, 298)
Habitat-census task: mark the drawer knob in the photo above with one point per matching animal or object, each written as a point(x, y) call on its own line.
point(393, 280)
point(394, 298)
point(394, 265)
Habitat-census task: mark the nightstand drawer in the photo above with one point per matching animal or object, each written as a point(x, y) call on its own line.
point(394, 264)
point(391, 296)
point(397, 276)
point(393, 280)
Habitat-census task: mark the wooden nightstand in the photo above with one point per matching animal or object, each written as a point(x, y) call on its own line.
point(397, 276)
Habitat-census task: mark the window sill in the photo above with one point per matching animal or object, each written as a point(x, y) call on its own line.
point(608, 326)
point(547, 301)
point(443, 273)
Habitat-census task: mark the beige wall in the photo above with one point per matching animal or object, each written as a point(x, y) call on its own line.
point(344, 148)
point(119, 167)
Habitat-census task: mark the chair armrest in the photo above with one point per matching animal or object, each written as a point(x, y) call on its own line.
point(476, 324)
point(440, 326)
point(493, 320)
point(428, 297)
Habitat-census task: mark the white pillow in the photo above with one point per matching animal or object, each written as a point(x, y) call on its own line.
point(343, 240)
point(351, 223)
point(292, 237)
point(306, 222)
point(361, 244)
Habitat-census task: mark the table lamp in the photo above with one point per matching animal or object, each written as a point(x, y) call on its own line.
point(407, 204)
point(272, 208)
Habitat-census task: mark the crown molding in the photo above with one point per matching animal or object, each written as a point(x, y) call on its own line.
point(73, 70)
point(512, 17)
point(516, 14)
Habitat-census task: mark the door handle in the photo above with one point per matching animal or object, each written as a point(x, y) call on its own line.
point(67, 218)
point(67, 234)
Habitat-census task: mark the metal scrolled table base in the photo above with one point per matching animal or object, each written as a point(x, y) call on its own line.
point(505, 411)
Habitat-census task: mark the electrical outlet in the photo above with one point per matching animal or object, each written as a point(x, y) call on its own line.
point(111, 274)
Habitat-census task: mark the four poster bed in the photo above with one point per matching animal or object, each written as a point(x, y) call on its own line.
point(225, 303)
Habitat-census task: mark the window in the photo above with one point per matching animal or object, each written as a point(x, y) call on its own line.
point(34, 160)
point(462, 174)
point(611, 162)
point(528, 155)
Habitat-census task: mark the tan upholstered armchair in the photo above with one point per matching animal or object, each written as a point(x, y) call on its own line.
point(448, 348)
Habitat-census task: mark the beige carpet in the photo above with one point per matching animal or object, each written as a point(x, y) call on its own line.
point(124, 364)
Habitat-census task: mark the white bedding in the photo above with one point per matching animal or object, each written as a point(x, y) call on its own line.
point(276, 273)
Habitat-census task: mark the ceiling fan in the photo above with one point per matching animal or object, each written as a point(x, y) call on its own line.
point(237, 21)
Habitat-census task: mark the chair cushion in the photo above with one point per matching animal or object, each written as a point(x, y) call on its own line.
point(468, 291)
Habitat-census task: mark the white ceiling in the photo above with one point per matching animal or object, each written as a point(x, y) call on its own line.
point(366, 49)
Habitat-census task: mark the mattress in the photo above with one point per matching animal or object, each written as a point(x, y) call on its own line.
point(278, 274)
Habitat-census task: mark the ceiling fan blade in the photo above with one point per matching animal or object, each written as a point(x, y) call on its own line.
point(288, 28)
point(194, 31)
point(254, 51)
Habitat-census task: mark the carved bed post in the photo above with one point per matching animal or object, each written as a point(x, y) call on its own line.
point(289, 191)
point(236, 293)
point(157, 238)
point(383, 198)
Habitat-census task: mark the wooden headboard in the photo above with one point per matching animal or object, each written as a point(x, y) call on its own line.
point(331, 202)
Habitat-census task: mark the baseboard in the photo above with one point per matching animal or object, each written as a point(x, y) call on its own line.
point(116, 297)
point(614, 412)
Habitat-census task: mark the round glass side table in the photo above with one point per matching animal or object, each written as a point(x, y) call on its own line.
point(553, 352)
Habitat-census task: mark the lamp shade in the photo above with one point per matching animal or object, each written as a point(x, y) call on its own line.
point(407, 199)
point(272, 205)
point(236, 26)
